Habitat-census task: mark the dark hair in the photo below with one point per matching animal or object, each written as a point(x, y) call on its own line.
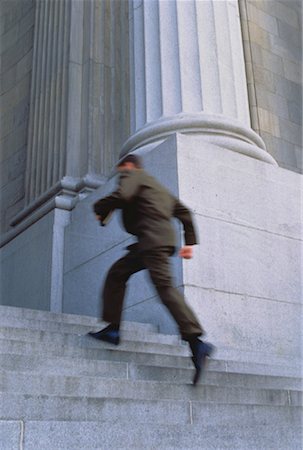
point(136, 160)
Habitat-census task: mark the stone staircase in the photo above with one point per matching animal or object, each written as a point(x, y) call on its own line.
point(63, 390)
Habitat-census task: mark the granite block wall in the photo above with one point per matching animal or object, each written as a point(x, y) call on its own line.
point(17, 19)
point(272, 32)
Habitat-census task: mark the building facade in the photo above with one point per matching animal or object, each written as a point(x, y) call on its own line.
point(209, 92)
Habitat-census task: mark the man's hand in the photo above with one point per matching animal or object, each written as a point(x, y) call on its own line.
point(186, 252)
point(98, 217)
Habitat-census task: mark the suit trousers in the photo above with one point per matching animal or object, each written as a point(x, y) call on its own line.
point(156, 261)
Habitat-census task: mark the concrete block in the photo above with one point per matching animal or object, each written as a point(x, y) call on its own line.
point(264, 20)
point(295, 112)
point(130, 331)
point(95, 435)
point(271, 61)
point(291, 132)
point(14, 191)
point(10, 434)
point(285, 49)
point(102, 352)
point(147, 343)
point(13, 167)
point(272, 102)
point(12, 56)
point(299, 157)
point(99, 409)
point(8, 80)
point(63, 366)
point(227, 270)
point(21, 259)
point(212, 377)
point(259, 35)
point(13, 142)
point(288, 15)
point(227, 263)
point(12, 98)
point(269, 122)
point(228, 190)
point(133, 330)
point(285, 152)
point(264, 78)
point(254, 415)
point(292, 70)
point(292, 91)
point(75, 386)
point(225, 319)
point(24, 66)
point(35, 316)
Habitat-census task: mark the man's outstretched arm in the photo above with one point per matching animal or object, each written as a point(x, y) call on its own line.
point(190, 237)
point(128, 187)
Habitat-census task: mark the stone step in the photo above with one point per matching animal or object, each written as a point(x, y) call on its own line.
point(79, 386)
point(102, 351)
point(60, 435)
point(71, 323)
point(109, 352)
point(35, 315)
point(149, 343)
point(71, 366)
point(129, 330)
point(50, 407)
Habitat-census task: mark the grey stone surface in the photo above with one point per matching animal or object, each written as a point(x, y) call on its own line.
point(234, 273)
point(231, 271)
point(187, 437)
point(21, 259)
point(129, 329)
point(17, 23)
point(258, 364)
point(147, 343)
point(98, 353)
point(99, 409)
point(51, 395)
point(10, 434)
point(34, 316)
point(97, 387)
point(275, 53)
point(45, 364)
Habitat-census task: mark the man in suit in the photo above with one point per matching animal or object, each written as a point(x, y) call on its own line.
point(147, 209)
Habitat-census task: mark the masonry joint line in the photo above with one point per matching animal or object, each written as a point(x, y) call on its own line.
point(21, 441)
point(191, 412)
point(289, 397)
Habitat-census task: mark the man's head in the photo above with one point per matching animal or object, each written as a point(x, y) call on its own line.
point(130, 162)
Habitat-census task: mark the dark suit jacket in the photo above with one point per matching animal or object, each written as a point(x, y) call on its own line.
point(147, 208)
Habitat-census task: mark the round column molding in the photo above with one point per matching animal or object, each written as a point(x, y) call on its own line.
point(216, 129)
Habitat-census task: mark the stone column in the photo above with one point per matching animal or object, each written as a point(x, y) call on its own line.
point(78, 116)
point(74, 133)
point(188, 74)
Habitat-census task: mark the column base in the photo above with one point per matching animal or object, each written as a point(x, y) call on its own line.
point(215, 129)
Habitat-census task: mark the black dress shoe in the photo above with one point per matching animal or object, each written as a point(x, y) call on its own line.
point(201, 351)
point(108, 334)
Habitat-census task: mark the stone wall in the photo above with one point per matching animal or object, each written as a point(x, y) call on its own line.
point(17, 30)
point(272, 45)
point(273, 52)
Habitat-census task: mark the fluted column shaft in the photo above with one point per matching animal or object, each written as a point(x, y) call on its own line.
point(78, 116)
point(48, 106)
point(188, 73)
